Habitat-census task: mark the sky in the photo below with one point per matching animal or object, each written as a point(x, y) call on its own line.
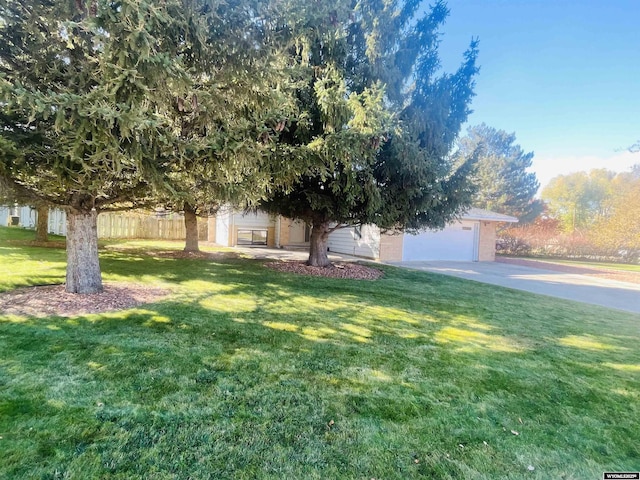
point(563, 75)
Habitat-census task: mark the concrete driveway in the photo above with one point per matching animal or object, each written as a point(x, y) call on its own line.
point(570, 286)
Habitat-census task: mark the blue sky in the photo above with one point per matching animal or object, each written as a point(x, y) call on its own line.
point(563, 75)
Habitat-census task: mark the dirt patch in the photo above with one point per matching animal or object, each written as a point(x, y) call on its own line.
point(618, 275)
point(193, 255)
point(353, 271)
point(32, 243)
point(53, 300)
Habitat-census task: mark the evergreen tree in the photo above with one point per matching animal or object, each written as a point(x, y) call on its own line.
point(228, 119)
point(377, 122)
point(105, 103)
point(84, 86)
point(503, 183)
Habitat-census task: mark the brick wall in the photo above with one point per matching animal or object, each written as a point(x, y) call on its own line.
point(285, 223)
point(487, 247)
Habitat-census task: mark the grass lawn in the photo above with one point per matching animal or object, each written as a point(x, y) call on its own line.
point(625, 267)
point(247, 373)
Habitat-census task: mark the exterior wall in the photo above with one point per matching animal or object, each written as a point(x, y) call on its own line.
point(297, 230)
point(223, 227)
point(4, 216)
point(285, 225)
point(257, 220)
point(346, 240)
point(253, 221)
point(391, 247)
point(28, 217)
point(487, 243)
point(211, 229)
point(6, 212)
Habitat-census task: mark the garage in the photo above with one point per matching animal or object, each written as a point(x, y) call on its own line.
point(457, 242)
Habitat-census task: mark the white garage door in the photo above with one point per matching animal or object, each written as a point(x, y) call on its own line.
point(457, 242)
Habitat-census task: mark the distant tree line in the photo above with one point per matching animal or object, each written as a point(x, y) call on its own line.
point(592, 214)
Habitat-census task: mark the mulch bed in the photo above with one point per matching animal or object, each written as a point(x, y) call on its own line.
point(33, 243)
point(50, 300)
point(618, 275)
point(193, 255)
point(353, 271)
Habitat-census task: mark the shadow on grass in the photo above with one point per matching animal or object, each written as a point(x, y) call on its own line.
point(240, 372)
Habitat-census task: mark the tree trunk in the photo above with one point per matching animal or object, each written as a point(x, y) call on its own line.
point(42, 225)
point(318, 245)
point(83, 266)
point(191, 226)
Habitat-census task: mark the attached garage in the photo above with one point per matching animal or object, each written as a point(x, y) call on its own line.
point(471, 239)
point(457, 242)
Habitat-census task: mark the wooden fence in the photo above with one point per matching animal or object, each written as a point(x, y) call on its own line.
point(132, 225)
point(141, 225)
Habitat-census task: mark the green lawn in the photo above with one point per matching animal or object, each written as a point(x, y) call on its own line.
point(246, 373)
point(625, 267)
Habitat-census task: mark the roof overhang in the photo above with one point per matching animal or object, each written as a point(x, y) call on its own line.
point(487, 216)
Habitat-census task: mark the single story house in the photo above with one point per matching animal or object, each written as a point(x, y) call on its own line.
point(471, 238)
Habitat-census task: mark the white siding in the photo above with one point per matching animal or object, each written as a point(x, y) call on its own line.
point(228, 221)
point(346, 240)
point(4, 216)
point(223, 220)
point(257, 220)
point(28, 217)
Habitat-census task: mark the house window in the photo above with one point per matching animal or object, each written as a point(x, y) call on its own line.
point(357, 232)
point(252, 237)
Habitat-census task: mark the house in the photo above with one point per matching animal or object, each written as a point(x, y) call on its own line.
point(472, 238)
point(18, 216)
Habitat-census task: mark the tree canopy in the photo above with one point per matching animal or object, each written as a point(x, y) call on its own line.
point(503, 183)
point(579, 199)
point(238, 99)
point(619, 234)
point(105, 104)
point(593, 214)
point(376, 122)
